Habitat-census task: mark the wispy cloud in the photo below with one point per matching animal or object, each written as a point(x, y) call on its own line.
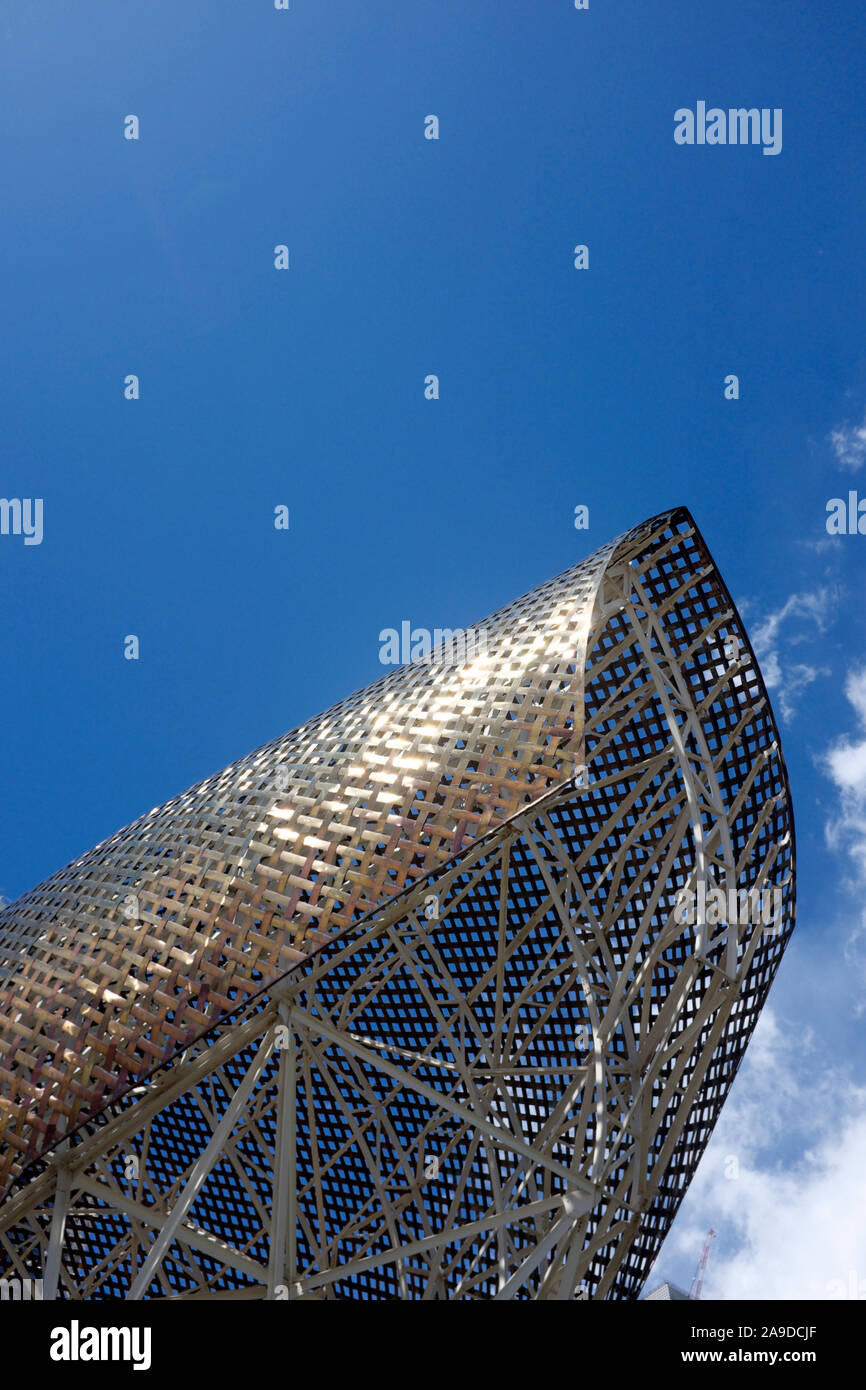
point(849, 444)
point(845, 764)
point(778, 631)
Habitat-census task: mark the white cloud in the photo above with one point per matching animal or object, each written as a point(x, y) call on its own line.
point(849, 444)
point(789, 679)
point(787, 1229)
point(846, 761)
point(845, 765)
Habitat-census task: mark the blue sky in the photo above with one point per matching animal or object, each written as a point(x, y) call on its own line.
point(558, 387)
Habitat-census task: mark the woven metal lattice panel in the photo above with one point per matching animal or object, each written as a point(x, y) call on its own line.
point(509, 1050)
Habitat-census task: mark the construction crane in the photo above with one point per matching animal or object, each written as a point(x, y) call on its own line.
point(698, 1281)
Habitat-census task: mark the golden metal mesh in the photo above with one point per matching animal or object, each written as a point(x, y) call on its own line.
point(136, 948)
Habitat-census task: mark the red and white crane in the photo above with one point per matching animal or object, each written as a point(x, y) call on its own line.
point(698, 1281)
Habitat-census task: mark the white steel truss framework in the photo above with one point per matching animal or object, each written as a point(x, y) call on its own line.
point(498, 1084)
